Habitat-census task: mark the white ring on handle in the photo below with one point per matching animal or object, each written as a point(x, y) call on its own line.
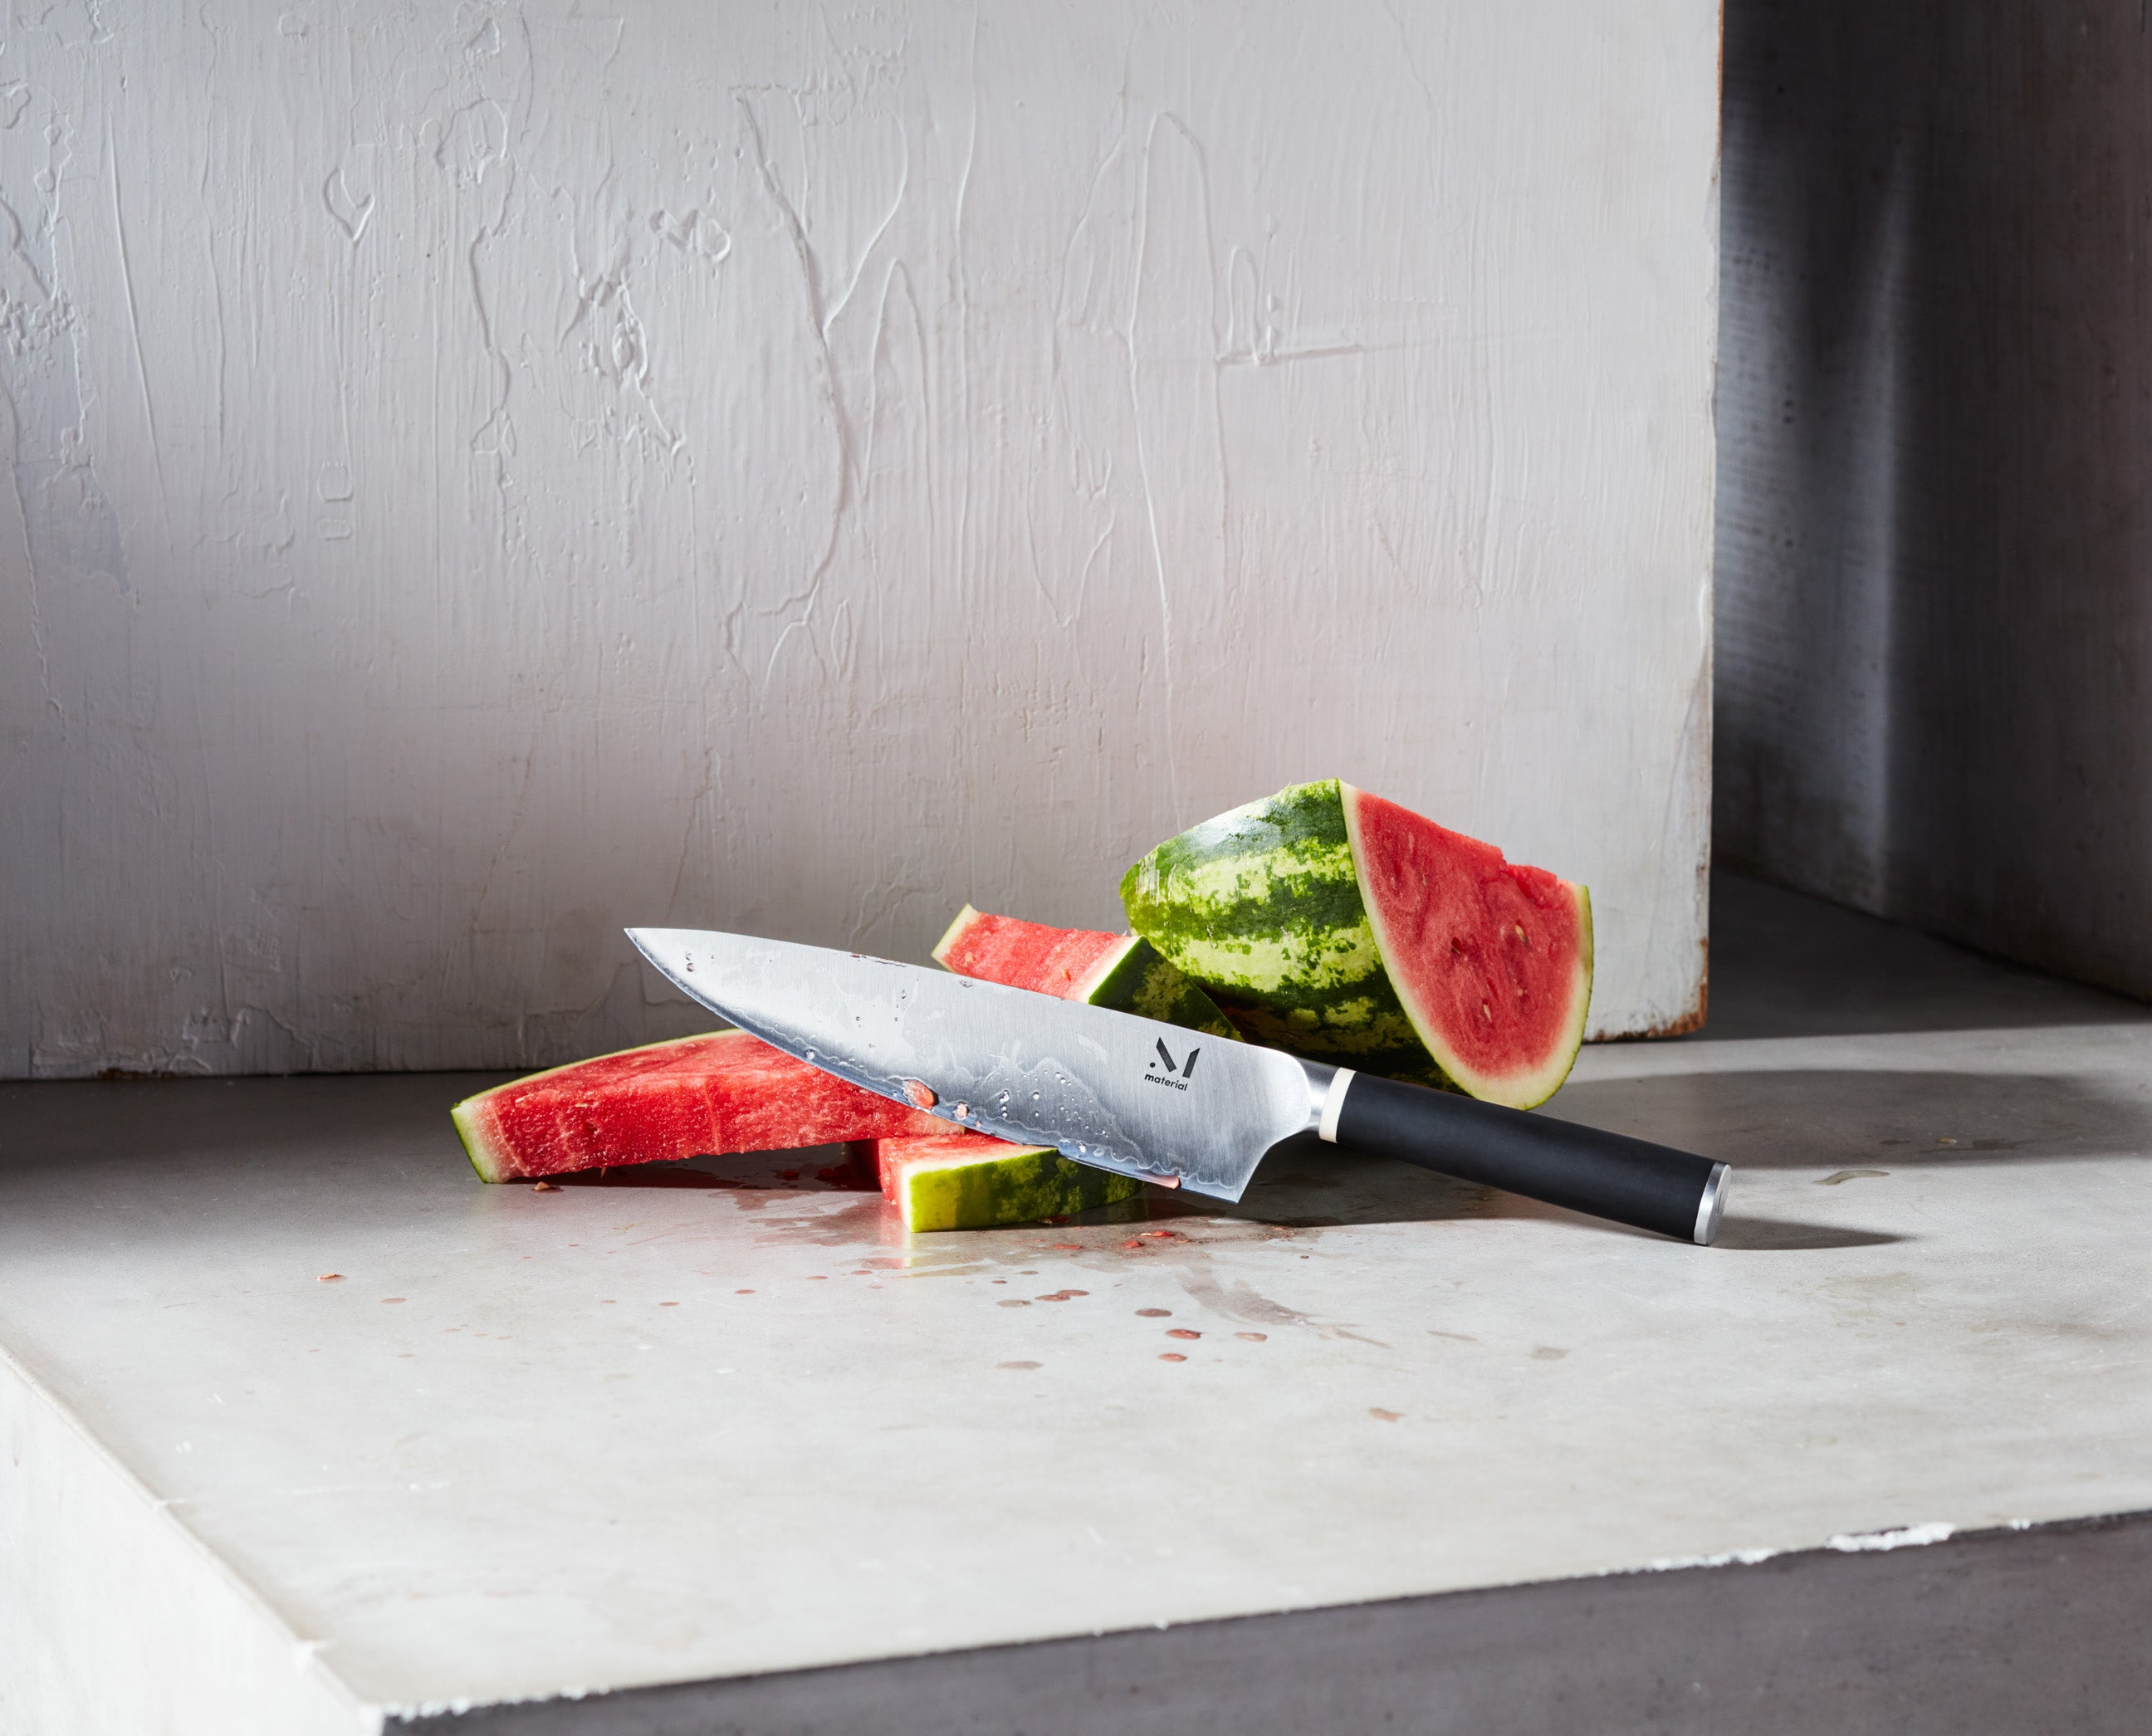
point(1333, 1100)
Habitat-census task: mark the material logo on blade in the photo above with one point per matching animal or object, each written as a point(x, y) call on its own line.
point(1165, 1057)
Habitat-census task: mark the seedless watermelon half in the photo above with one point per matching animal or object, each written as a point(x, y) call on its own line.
point(696, 1097)
point(1491, 959)
point(1344, 927)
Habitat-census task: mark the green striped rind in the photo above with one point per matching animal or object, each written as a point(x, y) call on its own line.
point(1006, 1187)
point(1137, 979)
point(1262, 908)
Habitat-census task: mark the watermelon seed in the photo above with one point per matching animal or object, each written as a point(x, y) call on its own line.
point(1181, 1332)
point(742, 1293)
point(817, 1277)
point(329, 1277)
point(1013, 1302)
point(543, 1187)
point(1154, 1314)
point(1171, 1356)
point(1381, 1415)
point(668, 1305)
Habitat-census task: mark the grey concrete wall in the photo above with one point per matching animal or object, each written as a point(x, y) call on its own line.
point(1935, 552)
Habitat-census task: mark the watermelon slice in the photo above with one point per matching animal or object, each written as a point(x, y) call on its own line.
point(968, 1181)
point(694, 1097)
point(1346, 928)
point(1123, 972)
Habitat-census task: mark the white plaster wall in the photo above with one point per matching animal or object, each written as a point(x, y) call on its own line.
point(485, 474)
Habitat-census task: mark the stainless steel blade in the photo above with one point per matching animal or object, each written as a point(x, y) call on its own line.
point(1107, 1088)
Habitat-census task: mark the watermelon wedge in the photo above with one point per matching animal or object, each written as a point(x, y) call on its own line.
point(694, 1097)
point(1123, 972)
point(968, 1181)
point(1343, 927)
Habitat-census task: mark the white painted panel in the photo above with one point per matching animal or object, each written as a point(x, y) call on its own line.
point(485, 476)
point(115, 1620)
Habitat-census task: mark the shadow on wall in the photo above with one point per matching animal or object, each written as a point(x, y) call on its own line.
point(1935, 558)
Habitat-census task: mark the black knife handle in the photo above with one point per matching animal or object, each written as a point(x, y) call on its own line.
point(1584, 1169)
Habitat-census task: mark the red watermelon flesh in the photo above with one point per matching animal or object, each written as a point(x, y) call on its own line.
point(1123, 972)
point(695, 1097)
point(1027, 955)
point(1491, 958)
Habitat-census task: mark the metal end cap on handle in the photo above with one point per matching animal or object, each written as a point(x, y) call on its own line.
point(1711, 1206)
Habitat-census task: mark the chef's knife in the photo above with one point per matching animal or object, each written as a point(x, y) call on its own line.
point(1152, 1100)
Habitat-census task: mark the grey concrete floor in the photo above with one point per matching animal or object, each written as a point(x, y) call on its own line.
point(747, 1459)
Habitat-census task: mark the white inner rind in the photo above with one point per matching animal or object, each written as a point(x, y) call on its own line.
point(965, 918)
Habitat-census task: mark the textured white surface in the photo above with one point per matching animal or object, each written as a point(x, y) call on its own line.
point(485, 476)
point(113, 1617)
point(577, 1455)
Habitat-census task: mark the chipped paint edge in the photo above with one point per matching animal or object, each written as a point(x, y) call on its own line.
point(1918, 1535)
